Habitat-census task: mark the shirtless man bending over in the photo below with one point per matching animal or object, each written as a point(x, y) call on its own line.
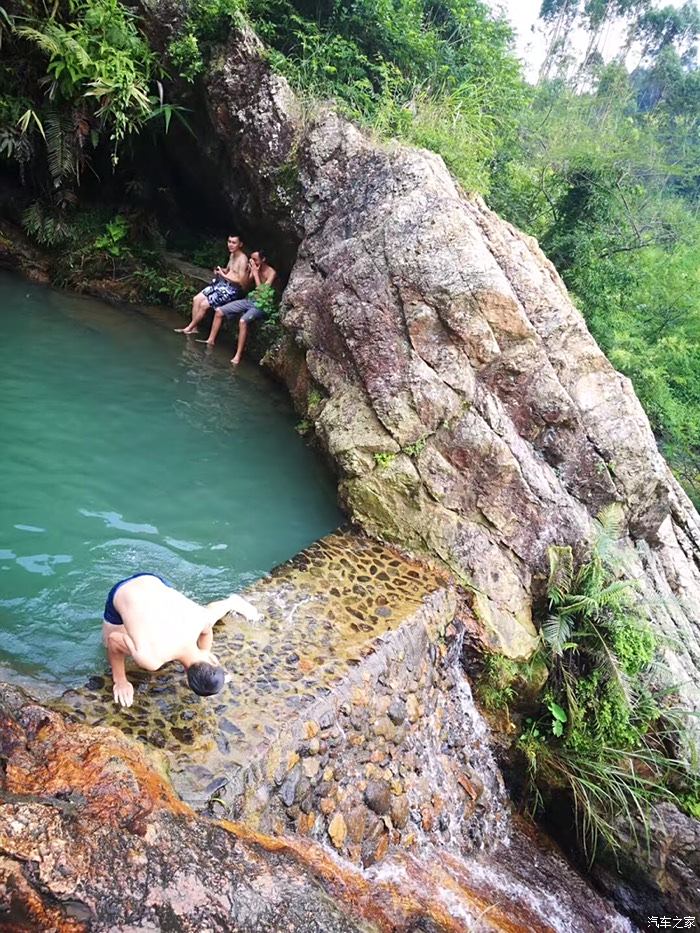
point(229, 284)
point(147, 619)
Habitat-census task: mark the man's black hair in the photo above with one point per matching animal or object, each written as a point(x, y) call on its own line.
point(263, 254)
point(205, 679)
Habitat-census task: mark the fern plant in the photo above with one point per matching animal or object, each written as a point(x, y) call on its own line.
point(49, 227)
point(603, 733)
point(99, 61)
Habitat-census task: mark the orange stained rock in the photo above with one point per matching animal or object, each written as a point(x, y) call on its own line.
point(27, 913)
point(115, 777)
point(415, 892)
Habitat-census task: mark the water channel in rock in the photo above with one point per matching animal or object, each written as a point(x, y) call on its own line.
point(128, 447)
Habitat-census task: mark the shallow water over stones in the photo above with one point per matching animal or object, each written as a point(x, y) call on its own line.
point(323, 613)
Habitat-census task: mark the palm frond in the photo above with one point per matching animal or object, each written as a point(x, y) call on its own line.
point(27, 117)
point(617, 594)
point(81, 55)
point(60, 147)
point(47, 41)
point(610, 521)
point(609, 528)
point(556, 632)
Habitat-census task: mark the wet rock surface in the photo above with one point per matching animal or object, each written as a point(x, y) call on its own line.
point(366, 785)
point(326, 613)
point(93, 838)
point(661, 867)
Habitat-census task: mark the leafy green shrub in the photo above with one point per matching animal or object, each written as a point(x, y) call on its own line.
point(114, 238)
point(494, 688)
point(603, 734)
point(163, 287)
point(99, 59)
point(314, 400)
point(416, 448)
point(212, 20)
point(384, 458)
point(185, 55)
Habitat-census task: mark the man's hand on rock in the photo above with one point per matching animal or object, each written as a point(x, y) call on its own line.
point(123, 693)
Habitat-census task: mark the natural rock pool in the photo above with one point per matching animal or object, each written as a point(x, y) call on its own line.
point(128, 447)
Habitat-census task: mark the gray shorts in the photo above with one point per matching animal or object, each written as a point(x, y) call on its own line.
point(248, 310)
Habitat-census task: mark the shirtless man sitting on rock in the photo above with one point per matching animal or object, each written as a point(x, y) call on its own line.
point(229, 284)
point(147, 619)
point(251, 308)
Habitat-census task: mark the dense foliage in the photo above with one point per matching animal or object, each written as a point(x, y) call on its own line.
point(437, 73)
point(604, 731)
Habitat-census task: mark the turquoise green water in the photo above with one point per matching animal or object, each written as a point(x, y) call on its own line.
point(127, 447)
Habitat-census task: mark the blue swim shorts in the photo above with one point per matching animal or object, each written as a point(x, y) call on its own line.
point(221, 292)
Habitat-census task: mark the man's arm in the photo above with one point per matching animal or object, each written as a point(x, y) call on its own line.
point(206, 639)
point(233, 603)
point(119, 646)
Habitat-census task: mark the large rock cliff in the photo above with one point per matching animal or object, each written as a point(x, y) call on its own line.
point(455, 387)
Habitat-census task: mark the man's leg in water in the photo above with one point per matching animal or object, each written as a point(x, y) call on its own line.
point(199, 315)
point(200, 306)
point(242, 337)
point(215, 327)
point(253, 313)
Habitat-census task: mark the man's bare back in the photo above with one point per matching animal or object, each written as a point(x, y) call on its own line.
point(147, 619)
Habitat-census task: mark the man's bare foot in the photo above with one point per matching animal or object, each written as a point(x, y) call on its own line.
point(186, 330)
point(236, 360)
point(209, 343)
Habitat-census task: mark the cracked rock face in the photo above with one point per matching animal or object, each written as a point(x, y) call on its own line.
point(468, 410)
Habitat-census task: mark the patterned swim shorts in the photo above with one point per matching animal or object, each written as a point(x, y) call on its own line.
point(221, 292)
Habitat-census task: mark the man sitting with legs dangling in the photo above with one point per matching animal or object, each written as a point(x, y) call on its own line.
point(228, 285)
point(256, 306)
